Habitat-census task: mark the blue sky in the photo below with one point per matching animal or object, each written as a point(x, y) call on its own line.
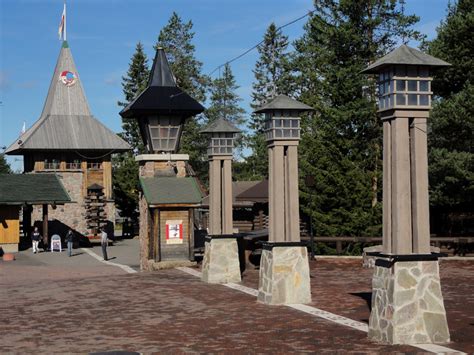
point(102, 35)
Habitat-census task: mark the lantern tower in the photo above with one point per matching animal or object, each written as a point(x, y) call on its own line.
point(407, 303)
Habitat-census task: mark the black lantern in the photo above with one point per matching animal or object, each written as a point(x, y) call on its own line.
point(162, 108)
point(282, 121)
point(404, 80)
point(222, 135)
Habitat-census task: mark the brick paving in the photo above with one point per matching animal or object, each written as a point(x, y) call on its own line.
point(89, 307)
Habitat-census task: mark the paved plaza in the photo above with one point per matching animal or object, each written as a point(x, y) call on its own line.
point(53, 303)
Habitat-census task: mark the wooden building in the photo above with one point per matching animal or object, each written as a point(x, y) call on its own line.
point(69, 141)
point(22, 191)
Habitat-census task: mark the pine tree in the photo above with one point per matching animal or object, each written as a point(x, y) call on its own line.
point(176, 39)
point(224, 101)
point(271, 79)
point(341, 141)
point(451, 125)
point(4, 166)
point(133, 84)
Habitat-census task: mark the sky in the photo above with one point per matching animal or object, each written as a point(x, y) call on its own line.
point(102, 35)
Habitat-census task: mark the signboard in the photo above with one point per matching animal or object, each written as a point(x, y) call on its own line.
point(56, 243)
point(174, 232)
point(68, 78)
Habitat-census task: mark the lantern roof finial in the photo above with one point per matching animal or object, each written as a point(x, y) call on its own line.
point(283, 102)
point(220, 125)
point(404, 55)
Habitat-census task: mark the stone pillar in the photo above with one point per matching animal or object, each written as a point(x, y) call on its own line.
point(407, 303)
point(221, 255)
point(284, 266)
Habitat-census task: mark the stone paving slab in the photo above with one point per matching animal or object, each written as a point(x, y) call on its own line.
point(96, 307)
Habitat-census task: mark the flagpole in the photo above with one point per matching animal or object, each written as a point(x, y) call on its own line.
point(65, 20)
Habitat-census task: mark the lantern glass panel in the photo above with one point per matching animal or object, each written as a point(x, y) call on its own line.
point(401, 99)
point(164, 132)
point(424, 100)
point(412, 99)
point(412, 85)
point(401, 85)
point(424, 85)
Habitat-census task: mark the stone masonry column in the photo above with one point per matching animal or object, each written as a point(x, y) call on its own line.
point(407, 302)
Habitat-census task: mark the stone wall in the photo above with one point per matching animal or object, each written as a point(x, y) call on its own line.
point(71, 215)
point(407, 304)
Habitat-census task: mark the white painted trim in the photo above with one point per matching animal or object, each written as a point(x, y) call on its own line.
point(125, 268)
point(438, 349)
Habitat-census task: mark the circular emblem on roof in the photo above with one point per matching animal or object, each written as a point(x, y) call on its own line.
point(68, 78)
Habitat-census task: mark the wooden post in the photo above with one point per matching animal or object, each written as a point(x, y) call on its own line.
point(191, 234)
point(155, 238)
point(45, 226)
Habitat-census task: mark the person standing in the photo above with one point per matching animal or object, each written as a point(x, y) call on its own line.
point(70, 241)
point(35, 238)
point(104, 242)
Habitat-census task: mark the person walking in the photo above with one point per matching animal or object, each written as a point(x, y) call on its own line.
point(104, 241)
point(70, 241)
point(35, 238)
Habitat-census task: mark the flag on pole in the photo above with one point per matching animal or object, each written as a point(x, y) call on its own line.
point(23, 129)
point(62, 25)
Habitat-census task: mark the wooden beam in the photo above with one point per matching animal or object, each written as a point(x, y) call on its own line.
point(45, 226)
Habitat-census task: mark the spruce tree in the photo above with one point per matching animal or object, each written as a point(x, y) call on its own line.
point(271, 79)
point(224, 101)
point(341, 141)
point(4, 166)
point(125, 168)
point(451, 125)
point(133, 84)
point(176, 39)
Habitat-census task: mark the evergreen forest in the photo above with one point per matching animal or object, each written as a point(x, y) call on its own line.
point(341, 147)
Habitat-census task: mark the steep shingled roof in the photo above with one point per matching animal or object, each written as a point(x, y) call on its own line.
point(18, 189)
point(66, 122)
